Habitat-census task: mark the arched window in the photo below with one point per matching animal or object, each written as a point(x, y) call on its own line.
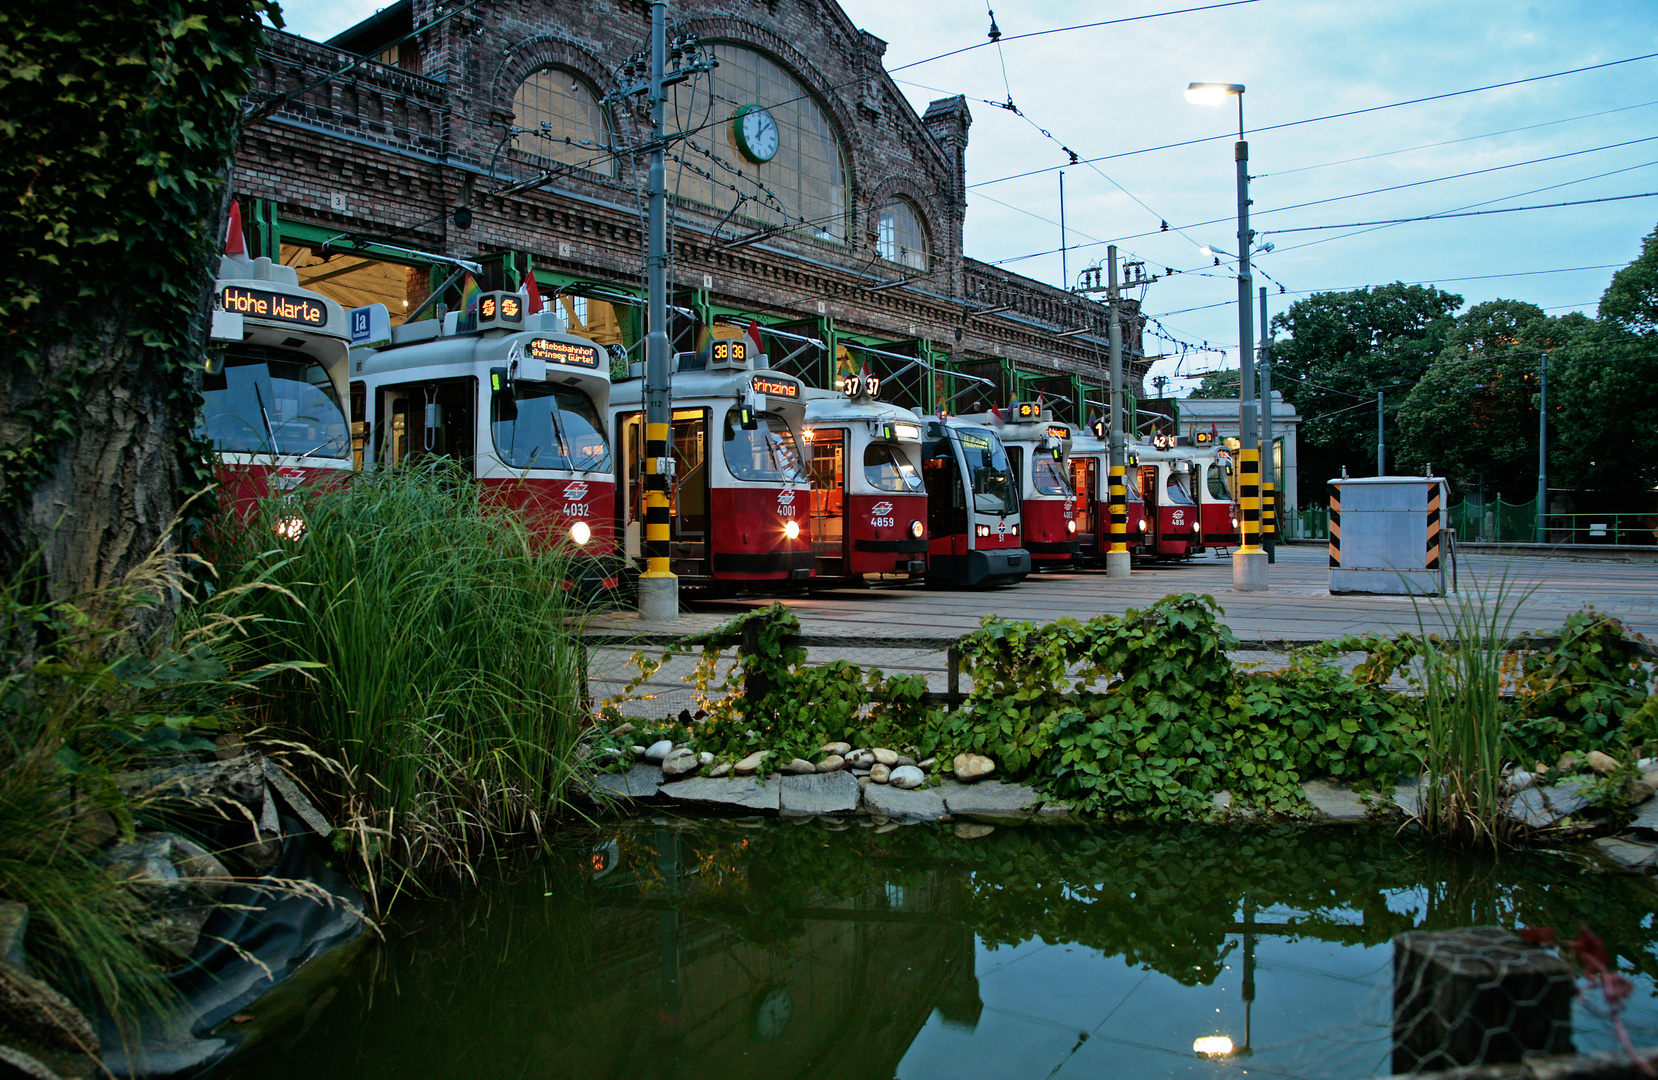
point(562, 121)
point(793, 173)
point(899, 235)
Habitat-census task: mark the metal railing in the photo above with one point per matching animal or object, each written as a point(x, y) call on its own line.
point(1498, 522)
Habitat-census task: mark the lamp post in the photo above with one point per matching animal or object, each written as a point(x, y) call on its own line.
point(1249, 563)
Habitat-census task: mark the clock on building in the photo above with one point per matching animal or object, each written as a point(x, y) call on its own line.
point(756, 133)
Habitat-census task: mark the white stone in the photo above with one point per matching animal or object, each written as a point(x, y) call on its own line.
point(797, 767)
point(905, 759)
point(929, 764)
point(832, 763)
point(971, 767)
point(880, 773)
point(860, 759)
point(1519, 780)
point(722, 769)
point(906, 777)
point(972, 830)
point(886, 757)
point(680, 763)
point(840, 748)
point(658, 751)
point(1602, 763)
point(751, 764)
point(706, 758)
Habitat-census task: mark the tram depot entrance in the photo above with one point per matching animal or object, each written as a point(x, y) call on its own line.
point(687, 493)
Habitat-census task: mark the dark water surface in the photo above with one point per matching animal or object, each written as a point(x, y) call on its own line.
point(772, 950)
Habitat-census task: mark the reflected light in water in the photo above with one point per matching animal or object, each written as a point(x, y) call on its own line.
point(1212, 1046)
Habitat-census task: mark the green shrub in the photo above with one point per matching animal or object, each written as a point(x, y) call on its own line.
point(452, 686)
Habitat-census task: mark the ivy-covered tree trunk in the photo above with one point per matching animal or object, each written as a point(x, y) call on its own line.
point(119, 118)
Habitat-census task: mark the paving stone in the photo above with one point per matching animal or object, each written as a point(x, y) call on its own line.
point(1408, 797)
point(820, 793)
point(1542, 807)
point(735, 791)
point(639, 782)
point(1337, 802)
point(989, 798)
point(1629, 854)
point(923, 804)
point(1646, 816)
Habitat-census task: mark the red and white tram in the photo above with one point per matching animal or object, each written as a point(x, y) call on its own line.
point(517, 402)
point(869, 508)
point(973, 510)
point(1036, 449)
point(275, 383)
point(739, 495)
point(1167, 484)
point(1217, 488)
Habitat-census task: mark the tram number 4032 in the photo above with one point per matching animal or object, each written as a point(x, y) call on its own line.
point(577, 509)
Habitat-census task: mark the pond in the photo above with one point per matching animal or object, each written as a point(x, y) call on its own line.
point(759, 950)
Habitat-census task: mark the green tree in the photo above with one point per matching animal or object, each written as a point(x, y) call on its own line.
point(119, 119)
point(1631, 301)
point(1344, 347)
point(1473, 413)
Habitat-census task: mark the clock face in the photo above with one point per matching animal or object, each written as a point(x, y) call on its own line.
point(756, 133)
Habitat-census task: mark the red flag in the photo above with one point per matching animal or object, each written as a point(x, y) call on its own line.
point(754, 336)
point(235, 243)
point(996, 416)
point(532, 295)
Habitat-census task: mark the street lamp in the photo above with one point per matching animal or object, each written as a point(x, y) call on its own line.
point(1249, 563)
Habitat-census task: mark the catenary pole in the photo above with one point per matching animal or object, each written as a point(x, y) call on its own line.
point(658, 587)
point(1118, 563)
point(1269, 468)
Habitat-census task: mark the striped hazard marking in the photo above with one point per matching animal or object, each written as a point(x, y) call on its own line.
point(1433, 527)
point(1335, 525)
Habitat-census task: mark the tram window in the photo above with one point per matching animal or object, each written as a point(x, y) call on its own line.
point(1220, 481)
point(270, 401)
point(553, 429)
point(886, 469)
point(1175, 486)
point(766, 452)
point(418, 420)
point(986, 462)
point(1048, 477)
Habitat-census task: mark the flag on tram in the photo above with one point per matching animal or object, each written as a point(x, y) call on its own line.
point(469, 295)
point(531, 292)
point(236, 242)
point(754, 336)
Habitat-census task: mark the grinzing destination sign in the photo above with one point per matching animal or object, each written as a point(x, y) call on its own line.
point(261, 304)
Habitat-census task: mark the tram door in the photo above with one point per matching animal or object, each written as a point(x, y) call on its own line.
point(1085, 483)
point(1148, 493)
point(429, 419)
point(946, 506)
point(687, 494)
point(829, 493)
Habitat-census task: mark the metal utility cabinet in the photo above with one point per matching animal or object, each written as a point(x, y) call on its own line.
point(1385, 535)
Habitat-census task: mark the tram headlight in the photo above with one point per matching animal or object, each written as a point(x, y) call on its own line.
point(580, 533)
point(916, 529)
point(1071, 526)
point(290, 528)
point(791, 529)
point(981, 531)
point(1142, 524)
point(1197, 526)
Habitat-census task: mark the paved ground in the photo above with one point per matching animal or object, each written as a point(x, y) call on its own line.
point(1298, 606)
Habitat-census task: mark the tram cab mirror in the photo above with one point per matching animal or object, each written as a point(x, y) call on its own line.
point(529, 369)
point(215, 363)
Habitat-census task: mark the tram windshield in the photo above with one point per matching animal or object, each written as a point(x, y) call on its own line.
point(767, 452)
point(1048, 477)
point(1220, 480)
point(1175, 487)
point(986, 462)
point(886, 469)
point(271, 401)
point(545, 428)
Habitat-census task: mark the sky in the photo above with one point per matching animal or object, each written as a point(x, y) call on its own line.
point(1116, 92)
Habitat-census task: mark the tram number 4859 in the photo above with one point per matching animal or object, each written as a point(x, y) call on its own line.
point(879, 522)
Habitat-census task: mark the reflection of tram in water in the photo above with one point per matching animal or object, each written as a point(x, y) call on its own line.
point(1090, 462)
point(973, 511)
point(1036, 447)
point(515, 401)
point(274, 384)
point(869, 509)
point(739, 494)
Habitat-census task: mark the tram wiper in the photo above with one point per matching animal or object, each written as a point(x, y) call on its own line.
point(266, 417)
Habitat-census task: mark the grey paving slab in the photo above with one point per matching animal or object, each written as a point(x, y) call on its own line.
point(922, 804)
point(989, 798)
point(1627, 853)
point(1541, 807)
point(738, 792)
point(1337, 802)
point(639, 782)
point(820, 793)
point(1646, 816)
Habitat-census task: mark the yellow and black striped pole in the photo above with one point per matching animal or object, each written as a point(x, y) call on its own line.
point(1335, 525)
point(1119, 512)
point(1269, 510)
point(657, 540)
point(1249, 498)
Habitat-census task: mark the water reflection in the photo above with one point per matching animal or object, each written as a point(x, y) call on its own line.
point(799, 950)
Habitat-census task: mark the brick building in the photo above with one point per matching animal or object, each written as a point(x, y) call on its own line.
point(806, 195)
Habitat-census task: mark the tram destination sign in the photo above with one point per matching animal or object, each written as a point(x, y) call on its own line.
point(563, 352)
point(775, 387)
point(261, 304)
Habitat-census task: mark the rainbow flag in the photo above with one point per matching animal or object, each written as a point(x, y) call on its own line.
point(469, 295)
point(705, 343)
